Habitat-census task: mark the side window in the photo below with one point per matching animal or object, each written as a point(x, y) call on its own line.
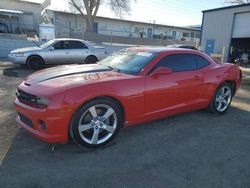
point(179, 62)
point(77, 45)
point(61, 45)
point(58, 45)
point(201, 62)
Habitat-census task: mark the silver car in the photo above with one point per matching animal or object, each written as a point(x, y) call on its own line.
point(58, 51)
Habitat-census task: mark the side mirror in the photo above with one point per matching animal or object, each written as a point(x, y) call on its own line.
point(161, 71)
point(51, 48)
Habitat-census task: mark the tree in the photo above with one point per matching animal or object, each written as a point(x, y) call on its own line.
point(238, 1)
point(89, 8)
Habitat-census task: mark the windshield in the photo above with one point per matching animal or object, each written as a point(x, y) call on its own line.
point(127, 61)
point(47, 44)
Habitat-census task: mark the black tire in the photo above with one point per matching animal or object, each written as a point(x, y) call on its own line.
point(83, 114)
point(213, 106)
point(90, 60)
point(35, 63)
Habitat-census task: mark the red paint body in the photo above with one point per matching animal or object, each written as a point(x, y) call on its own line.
point(144, 97)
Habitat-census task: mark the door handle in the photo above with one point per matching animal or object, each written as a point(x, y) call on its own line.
point(66, 52)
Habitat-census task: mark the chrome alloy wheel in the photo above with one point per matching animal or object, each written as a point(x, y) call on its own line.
point(223, 98)
point(97, 124)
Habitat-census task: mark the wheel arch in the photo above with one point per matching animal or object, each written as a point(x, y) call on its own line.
point(34, 55)
point(111, 98)
point(232, 83)
point(92, 55)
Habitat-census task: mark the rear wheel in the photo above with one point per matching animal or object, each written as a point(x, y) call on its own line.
point(90, 60)
point(35, 62)
point(222, 99)
point(96, 123)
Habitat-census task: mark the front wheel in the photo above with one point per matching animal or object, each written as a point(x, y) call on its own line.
point(35, 63)
point(222, 99)
point(96, 123)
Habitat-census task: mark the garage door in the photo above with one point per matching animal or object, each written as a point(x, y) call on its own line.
point(241, 25)
point(28, 22)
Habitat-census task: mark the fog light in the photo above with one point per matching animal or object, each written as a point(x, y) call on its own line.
point(42, 125)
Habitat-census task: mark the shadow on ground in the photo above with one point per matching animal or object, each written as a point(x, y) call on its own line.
point(190, 150)
point(17, 71)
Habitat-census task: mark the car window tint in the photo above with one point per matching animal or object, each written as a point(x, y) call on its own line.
point(61, 45)
point(201, 62)
point(66, 45)
point(76, 45)
point(179, 62)
point(58, 45)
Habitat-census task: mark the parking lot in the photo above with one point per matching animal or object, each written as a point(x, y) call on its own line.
point(193, 150)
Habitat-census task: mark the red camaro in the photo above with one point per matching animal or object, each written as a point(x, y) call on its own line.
point(90, 103)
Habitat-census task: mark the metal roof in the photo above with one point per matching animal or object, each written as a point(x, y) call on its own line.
point(122, 20)
point(228, 7)
point(39, 2)
point(11, 11)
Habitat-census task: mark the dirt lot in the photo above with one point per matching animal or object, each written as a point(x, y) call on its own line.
point(190, 150)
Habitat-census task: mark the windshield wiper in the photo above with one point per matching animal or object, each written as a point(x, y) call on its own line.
point(36, 44)
point(114, 68)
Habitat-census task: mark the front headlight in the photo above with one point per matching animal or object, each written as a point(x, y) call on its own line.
point(18, 54)
point(43, 101)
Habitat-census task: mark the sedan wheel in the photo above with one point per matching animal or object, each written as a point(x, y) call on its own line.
point(96, 123)
point(222, 99)
point(35, 63)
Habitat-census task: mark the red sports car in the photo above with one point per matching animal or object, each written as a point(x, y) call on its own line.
point(90, 103)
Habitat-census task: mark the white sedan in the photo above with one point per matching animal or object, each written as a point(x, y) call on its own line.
point(58, 51)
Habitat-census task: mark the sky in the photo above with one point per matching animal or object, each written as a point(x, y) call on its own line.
point(169, 12)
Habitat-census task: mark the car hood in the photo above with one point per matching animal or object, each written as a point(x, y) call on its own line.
point(64, 71)
point(58, 79)
point(28, 49)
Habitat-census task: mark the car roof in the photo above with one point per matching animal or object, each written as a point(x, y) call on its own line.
point(158, 49)
point(63, 39)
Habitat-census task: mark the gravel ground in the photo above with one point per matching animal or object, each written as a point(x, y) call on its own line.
point(8, 128)
point(190, 150)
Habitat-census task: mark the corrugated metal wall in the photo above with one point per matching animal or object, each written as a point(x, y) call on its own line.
point(31, 9)
point(218, 26)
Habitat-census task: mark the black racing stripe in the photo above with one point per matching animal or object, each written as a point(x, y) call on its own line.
point(70, 74)
point(63, 71)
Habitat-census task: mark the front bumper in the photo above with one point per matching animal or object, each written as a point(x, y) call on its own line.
point(18, 60)
point(56, 121)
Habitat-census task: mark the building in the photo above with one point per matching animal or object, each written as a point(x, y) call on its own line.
point(70, 24)
point(21, 16)
point(227, 27)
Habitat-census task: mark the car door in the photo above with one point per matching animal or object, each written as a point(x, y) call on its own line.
point(58, 53)
point(78, 51)
point(175, 90)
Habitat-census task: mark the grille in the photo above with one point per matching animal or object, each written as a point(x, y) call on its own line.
point(25, 120)
point(26, 98)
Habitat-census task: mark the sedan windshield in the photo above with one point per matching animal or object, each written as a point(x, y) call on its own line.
point(127, 61)
point(47, 44)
